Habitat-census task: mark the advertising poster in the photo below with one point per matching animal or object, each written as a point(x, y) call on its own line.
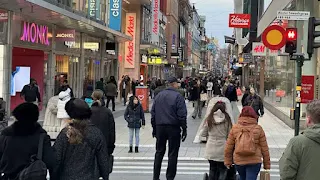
point(115, 14)
point(307, 89)
point(130, 51)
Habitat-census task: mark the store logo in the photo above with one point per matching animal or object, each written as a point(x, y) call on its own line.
point(65, 35)
point(239, 20)
point(115, 14)
point(35, 33)
point(130, 45)
point(155, 22)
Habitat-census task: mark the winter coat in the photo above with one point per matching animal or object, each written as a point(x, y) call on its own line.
point(111, 89)
point(195, 92)
point(103, 118)
point(301, 159)
point(169, 108)
point(18, 143)
point(262, 149)
point(256, 103)
point(216, 137)
point(217, 89)
point(51, 122)
point(85, 161)
point(125, 93)
point(64, 97)
point(231, 93)
point(135, 116)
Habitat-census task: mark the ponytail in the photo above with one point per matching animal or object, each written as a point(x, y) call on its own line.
point(77, 131)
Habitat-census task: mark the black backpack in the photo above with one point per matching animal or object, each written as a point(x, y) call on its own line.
point(37, 169)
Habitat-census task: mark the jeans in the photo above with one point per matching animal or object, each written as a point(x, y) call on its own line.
point(136, 132)
point(248, 172)
point(172, 134)
point(198, 105)
point(112, 98)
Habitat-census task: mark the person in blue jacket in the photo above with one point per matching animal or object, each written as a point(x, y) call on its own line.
point(134, 115)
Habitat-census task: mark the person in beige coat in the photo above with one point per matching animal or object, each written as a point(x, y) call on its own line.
point(216, 128)
point(51, 123)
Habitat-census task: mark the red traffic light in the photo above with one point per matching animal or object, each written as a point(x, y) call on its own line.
point(292, 34)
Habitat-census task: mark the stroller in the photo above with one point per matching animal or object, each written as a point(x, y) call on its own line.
point(231, 173)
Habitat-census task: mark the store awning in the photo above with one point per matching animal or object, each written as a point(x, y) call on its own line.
point(44, 11)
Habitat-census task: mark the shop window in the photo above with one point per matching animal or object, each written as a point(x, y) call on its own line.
point(62, 71)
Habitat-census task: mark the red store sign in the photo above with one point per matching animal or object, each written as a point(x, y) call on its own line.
point(3, 16)
point(239, 20)
point(307, 89)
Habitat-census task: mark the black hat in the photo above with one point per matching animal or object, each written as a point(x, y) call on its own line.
point(172, 79)
point(26, 112)
point(78, 109)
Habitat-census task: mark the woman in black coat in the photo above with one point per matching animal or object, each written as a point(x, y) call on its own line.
point(134, 115)
point(19, 142)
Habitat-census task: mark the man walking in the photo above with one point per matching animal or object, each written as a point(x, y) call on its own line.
point(301, 159)
point(30, 93)
point(168, 117)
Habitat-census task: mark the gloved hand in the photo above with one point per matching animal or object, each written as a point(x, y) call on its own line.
point(184, 134)
point(154, 133)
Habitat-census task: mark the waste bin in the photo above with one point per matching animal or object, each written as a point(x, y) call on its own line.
point(142, 92)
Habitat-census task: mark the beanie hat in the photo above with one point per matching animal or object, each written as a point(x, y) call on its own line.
point(26, 112)
point(248, 111)
point(78, 109)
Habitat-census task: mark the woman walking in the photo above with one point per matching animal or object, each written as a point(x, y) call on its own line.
point(195, 92)
point(216, 129)
point(81, 149)
point(134, 115)
point(247, 145)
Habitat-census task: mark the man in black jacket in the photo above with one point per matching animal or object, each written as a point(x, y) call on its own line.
point(168, 117)
point(30, 92)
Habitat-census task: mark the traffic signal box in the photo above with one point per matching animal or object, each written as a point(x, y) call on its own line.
point(291, 40)
point(312, 34)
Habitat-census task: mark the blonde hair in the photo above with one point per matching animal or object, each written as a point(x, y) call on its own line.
point(77, 131)
point(97, 94)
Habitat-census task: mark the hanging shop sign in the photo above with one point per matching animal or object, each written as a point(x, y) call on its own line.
point(152, 60)
point(94, 8)
point(274, 37)
point(155, 21)
point(180, 51)
point(153, 51)
point(3, 16)
point(91, 45)
point(258, 49)
point(239, 20)
point(130, 29)
point(65, 35)
point(307, 89)
point(115, 14)
point(35, 33)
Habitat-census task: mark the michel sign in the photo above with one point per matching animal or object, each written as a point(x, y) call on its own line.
point(130, 45)
point(35, 33)
point(65, 35)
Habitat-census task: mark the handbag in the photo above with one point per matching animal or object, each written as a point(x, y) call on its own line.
point(111, 160)
point(203, 97)
point(264, 175)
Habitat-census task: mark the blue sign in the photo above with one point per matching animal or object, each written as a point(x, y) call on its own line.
point(94, 9)
point(115, 14)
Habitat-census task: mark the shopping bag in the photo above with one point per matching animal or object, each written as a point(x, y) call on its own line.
point(264, 175)
point(203, 97)
point(239, 92)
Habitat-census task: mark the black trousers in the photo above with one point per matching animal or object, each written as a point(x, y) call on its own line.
point(172, 134)
point(112, 98)
point(218, 170)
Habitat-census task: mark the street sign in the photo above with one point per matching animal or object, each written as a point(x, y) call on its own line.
point(274, 37)
point(247, 57)
point(258, 49)
point(293, 15)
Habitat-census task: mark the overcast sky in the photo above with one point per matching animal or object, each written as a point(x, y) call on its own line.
point(217, 14)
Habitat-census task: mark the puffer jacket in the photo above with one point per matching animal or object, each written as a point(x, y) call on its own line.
point(135, 116)
point(301, 159)
point(216, 137)
point(64, 97)
point(262, 149)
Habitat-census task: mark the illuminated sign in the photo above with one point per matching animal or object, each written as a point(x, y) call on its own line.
point(130, 45)
point(65, 35)
point(35, 33)
point(91, 45)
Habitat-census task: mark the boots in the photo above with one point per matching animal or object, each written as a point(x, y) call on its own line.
point(130, 149)
point(137, 149)
point(212, 175)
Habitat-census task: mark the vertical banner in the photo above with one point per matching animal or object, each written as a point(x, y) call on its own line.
point(115, 14)
point(155, 21)
point(307, 89)
point(130, 52)
point(94, 9)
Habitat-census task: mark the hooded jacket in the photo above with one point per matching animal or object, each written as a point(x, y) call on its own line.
point(301, 159)
point(216, 137)
point(135, 116)
point(18, 143)
point(262, 149)
point(64, 97)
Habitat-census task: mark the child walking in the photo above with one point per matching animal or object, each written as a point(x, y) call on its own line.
point(134, 115)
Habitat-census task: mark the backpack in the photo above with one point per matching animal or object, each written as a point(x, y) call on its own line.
point(245, 143)
point(229, 90)
point(37, 169)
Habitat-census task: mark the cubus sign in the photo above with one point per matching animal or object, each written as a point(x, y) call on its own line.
point(130, 45)
point(35, 33)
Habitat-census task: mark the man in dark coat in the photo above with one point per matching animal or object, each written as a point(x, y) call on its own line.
point(168, 117)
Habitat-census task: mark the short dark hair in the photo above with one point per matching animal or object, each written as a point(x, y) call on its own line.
point(65, 81)
point(313, 110)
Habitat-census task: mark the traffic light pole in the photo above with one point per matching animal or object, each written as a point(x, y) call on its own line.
point(299, 61)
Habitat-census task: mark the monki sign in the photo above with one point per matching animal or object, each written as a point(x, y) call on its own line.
point(35, 33)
